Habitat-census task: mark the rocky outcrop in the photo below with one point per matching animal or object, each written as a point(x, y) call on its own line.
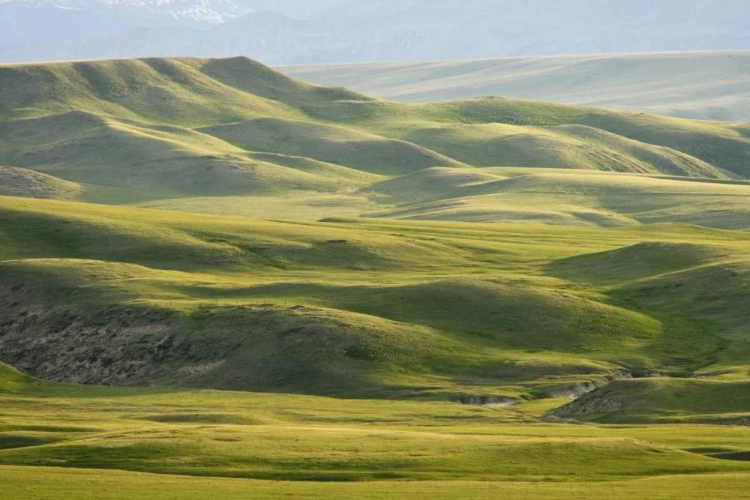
point(488, 401)
point(579, 390)
point(593, 403)
point(105, 346)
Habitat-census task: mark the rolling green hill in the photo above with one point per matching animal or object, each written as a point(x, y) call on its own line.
point(702, 85)
point(563, 197)
point(361, 307)
point(453, 352)
point(444, 306)
point(337, 145)
point(277, 148)
point(413, 299)
point(31, 184)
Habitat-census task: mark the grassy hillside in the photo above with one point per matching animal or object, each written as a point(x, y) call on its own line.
point(173, 133)
point(337, 145)
point(355, 308)
point(702, 85)
point(27, 183)
point(367, 281)
point(562, 197)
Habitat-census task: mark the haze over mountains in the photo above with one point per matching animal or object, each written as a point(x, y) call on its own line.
point(704, 85)
point(357, 31)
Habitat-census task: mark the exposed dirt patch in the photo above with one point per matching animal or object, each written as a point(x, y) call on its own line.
point(105, 345)
point(593, 403)
point(488, 401)
point(580, 390)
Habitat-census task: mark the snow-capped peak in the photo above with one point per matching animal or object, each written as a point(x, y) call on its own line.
point(214, 11)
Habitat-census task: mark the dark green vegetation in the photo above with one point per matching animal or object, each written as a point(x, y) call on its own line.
point(365, 308)
point(387, 268)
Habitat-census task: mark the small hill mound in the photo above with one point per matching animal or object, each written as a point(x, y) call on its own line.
point(567, 147)
point(664, 400)
point(54, 229)
point(255, 78)
point(30, 184)
point(150, 161)
point(643, 260)
point(11, 380)
point(516, 317)
point(717, 293)
point(434, 183)
point(329, 144)
point(252, 348)
point(718, 144)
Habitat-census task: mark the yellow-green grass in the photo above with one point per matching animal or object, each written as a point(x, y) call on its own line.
point(133, 131)
point(561, 197)
point(361, 307)
point(567, 146)
point(386, 357)
point(40, 483)
point(337, 145)
point(271, 445)
point(705, 85)
point(27, 183)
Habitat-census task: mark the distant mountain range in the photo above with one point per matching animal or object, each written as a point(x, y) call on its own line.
point(704, 85)
point(281, 32)
point(199, 11)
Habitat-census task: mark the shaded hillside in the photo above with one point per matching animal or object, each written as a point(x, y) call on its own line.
point(358, 308)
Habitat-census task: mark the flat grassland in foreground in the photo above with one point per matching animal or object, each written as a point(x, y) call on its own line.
point(212, 444)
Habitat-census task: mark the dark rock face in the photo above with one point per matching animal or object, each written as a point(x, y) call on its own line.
point(56, 342)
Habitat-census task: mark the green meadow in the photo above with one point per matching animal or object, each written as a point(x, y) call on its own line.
point(220, 282)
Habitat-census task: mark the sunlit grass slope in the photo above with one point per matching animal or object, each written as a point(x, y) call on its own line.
point(167, 131)
point(568, 146)
point(562, 197)
point(359, 308)
point(330, 144)
point(87, 484)
point(86, 442)
point(436, 357)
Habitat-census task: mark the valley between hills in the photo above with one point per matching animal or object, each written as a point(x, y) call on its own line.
point(211, 269)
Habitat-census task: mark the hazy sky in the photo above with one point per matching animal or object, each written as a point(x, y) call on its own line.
point(294, 8)
point(369, 30)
